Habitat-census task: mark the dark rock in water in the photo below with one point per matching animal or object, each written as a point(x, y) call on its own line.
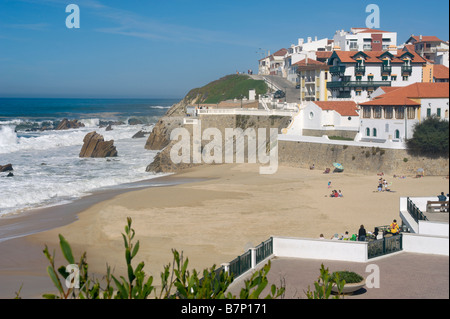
point(139, 134)
point(134, 122)
point(66, 124)
point(109, 128)
point(6, 168)
point(95, 146)
point(10, 175)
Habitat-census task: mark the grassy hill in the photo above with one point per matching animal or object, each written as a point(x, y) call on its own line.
point(227, 88)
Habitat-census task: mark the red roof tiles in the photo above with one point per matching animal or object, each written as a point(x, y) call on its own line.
point(344, 108)
point(403, 95)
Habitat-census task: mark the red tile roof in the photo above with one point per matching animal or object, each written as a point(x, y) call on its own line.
point(440, 71)
point(376, 56)
point(403, 95)
point(368, 30)
point(310, 62)
point(281, 52)
point(426, 38)
point(344, 108)
point(323, 54)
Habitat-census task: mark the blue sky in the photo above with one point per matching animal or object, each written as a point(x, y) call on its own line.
point(146, 48)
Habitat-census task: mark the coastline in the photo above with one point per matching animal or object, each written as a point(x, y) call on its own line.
point(214, 218)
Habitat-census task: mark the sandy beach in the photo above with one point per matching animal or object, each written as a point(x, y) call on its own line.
point(212, 221)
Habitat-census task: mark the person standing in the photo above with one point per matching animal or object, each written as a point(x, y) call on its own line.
point(362, 233)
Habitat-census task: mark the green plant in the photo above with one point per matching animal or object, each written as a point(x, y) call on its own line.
point(324, 284)
point(349, 276)
point(405, 160)
point(430, 138)
point(177, 281)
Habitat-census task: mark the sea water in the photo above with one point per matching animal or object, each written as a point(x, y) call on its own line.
point(47, 168)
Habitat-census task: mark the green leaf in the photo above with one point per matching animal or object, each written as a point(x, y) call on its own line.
point(66, 250)
point(55, 279)
point(135, 250)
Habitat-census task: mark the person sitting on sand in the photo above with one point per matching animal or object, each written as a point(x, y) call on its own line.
point(321, 236)
point(335, 237)
point(340, 194)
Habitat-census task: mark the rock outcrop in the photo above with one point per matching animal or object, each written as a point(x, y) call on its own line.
point(6, 168)
point(95, 146)
point(159, 138)
point(67, 124)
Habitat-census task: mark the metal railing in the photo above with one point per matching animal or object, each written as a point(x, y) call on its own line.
point(264, 250)
point(384, 246)
point(340, 69)
point(244, 263)
point(241, 264)
point(414, 211)
point(341, 84)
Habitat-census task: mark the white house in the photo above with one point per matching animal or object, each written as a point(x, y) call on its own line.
point(331, 118)
point(391, 116)
point(355, 75)
point(364, 39)
point(431, 48)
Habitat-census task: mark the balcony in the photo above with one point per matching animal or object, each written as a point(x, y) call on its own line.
point(386, 69)
point(406, 69)
point(339, 69)
point(360, 69)
point(344, 84)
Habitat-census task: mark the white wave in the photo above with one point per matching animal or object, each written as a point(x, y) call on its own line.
point(90, 122)
point(159, 107)
point(7, 136)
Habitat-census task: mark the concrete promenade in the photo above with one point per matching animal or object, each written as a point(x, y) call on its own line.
point(402, 276)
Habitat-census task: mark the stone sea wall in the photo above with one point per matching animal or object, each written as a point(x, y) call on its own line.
point(359, 159)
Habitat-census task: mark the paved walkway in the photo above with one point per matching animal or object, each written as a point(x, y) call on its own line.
point(402, 276)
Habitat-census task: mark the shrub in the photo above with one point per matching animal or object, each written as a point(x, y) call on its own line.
point(430, 138)
point(349, 276)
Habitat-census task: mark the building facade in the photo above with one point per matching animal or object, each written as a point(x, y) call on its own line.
point(356, 75)
point(391, 116)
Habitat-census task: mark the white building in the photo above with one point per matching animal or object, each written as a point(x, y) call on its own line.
point(355, 75)
point(431, 48)
point(331, 118)
point(392, 116)
point(364, 39)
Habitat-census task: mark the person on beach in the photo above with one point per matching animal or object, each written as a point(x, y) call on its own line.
point(394, 228)
point(340, 194)
point(321, 236)
point(329, 184)
point(362, 233)
point(345, 236)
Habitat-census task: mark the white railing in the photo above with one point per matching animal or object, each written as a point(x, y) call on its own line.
point(255, 112)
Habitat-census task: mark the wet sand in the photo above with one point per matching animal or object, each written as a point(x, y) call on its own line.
point(227, 209)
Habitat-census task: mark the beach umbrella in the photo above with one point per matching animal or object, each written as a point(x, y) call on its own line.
point(338, 166)
point(420, 170)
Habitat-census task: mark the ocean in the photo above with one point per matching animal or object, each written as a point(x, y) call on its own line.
point(47, 168)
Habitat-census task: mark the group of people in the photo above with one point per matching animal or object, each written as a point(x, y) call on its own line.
point(336, 193)
point(383, 185)
point(362, 234)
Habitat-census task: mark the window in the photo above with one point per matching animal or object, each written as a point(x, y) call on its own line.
point(397, 134)
point(377, 112)
point(439, 112)
point(388, 112)
point(384, 77)
point(374, 132)
point(400, 113)
point(370, 77)
point(411, 113)
point(386, 128)
point(393, 78)
point(358, 77)
point(367, 112)
point(428, 112)
point(405, 77)
point(367, 131)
